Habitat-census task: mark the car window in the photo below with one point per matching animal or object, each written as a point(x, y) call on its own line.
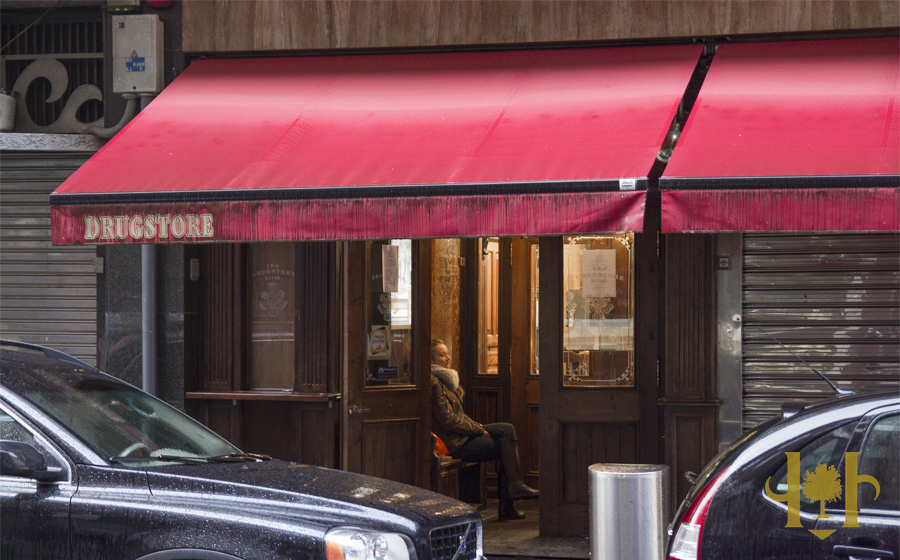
point(12, 430)
point(880, 458)
point(827, 449)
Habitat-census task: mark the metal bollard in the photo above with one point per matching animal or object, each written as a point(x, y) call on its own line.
point(628, 509)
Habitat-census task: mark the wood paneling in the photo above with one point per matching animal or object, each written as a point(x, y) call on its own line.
point(690, 443)
point(289, 25)
point(689, 402)
point(220, 315)
point(387, 447)
point(316, 334)
point(292, 431)
point(690, 317)
point(585, 445)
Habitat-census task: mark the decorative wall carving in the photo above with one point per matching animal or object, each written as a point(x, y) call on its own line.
point(54, 71)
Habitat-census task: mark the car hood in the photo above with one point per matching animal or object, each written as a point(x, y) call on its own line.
point(328, 496)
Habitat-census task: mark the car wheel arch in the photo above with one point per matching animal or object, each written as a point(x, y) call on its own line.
point(188, 554)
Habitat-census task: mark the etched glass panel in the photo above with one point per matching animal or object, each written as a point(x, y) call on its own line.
point(598, 331)
point(272, 305)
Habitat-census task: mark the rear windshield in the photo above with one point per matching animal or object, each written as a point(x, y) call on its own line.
point(722, 460)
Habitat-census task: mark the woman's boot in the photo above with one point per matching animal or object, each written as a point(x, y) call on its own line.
point(507, 510)
point(509, 465)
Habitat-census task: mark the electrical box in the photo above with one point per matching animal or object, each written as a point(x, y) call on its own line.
point(137, 54)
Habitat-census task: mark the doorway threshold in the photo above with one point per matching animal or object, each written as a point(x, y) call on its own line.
point(519, 539)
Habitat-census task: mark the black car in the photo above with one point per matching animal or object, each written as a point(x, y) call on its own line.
point(822, 482)
point(91, 467)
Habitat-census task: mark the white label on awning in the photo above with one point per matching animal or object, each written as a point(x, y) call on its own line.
point(627, 184)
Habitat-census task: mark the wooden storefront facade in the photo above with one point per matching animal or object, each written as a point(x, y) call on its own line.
point(481, 295)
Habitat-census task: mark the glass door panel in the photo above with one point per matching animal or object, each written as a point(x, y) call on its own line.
point(489, 306)
point(598, 328)
point(390, 306)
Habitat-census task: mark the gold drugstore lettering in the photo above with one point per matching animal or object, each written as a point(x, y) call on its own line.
point(91, 228)
point(121, 226)
point(193, 225)
point(136, 227)
point(163, 221)
point(106, 227)
point(150, 227)
point(179, 226)
point(207, 225)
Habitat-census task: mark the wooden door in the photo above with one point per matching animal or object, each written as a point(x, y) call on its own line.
point(498, 322)
point(524, 386)
point(386, 412)
point(597, 397)
point(483, 318)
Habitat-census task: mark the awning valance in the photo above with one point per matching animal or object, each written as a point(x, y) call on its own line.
point(791, 136)
point(423, 145)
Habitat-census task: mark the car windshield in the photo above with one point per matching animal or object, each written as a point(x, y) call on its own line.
point(126, 425)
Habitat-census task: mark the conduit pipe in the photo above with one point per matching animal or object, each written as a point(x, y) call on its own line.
point(131, 104)
point(149, 373)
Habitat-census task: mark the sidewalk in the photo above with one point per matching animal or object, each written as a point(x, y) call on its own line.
point(519, 540)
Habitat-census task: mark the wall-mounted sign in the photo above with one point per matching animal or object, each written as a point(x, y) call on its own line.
point(149, 227)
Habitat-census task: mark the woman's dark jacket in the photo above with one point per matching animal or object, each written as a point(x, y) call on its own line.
point(451, 424)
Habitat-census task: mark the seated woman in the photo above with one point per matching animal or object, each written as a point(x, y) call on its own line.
point(468, 440)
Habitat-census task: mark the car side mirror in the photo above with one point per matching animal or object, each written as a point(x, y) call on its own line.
point(25, 461)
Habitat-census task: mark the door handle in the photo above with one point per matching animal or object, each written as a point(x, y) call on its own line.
point(859, 552)
point(356, 409)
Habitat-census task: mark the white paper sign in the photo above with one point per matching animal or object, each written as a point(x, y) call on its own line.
point(390, 267)
point(598, 273)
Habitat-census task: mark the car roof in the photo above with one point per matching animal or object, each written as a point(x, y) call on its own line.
point(25, 367)
point(854, 401)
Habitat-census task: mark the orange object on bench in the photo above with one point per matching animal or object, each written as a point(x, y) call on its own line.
point(447, 475)
point(440, 448)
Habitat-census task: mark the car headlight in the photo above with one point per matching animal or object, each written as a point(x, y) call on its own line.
point(346, 543)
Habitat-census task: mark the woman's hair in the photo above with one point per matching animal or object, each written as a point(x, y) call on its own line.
point(435, 342)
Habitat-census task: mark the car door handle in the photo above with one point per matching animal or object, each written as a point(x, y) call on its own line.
point(858, 552)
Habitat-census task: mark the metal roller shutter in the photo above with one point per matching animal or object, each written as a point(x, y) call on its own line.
point(831, 299)
point(48, 295)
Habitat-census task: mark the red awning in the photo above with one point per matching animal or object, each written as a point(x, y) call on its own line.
point(522, 142)
point(791, 136)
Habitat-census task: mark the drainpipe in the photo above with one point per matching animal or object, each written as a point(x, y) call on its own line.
point(149, 374)
point(148, 318)
point(131, 104)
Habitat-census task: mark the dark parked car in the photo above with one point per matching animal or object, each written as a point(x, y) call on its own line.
point(91, 467)
point(823, 482)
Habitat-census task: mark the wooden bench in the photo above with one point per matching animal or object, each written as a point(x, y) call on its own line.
point(456, 478)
